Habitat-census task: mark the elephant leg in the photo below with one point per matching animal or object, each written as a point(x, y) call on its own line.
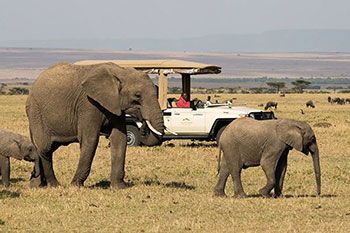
point(47, 166)
point(269, 168)
point(45, 148)
point(37, 178)
point(237, 181)
point(5, 170)
point(219, 189)
point(118, 151)
point(88, 147)
point(280, 173)
point(234, 167)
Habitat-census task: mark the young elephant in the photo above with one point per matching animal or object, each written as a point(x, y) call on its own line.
point(16, 146)
point(247, 143)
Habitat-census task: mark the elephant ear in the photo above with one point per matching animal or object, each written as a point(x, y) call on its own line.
point(290, 134)
point(103, 87)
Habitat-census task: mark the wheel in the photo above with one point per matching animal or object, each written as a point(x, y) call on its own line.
point(218, 134)
point(132, 135)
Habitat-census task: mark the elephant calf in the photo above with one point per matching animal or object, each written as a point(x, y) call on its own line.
point(248, 143)
point(16, 146)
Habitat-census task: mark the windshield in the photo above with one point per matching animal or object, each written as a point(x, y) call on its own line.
point(262, 115)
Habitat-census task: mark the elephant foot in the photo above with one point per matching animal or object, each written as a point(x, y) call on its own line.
point(119, 185)
point(240, 195)
point(6, 185)
point(277, 195)
point(54, 184)
point(264, 193)
point(36, 182)
point(77, 183)
point(219, 193)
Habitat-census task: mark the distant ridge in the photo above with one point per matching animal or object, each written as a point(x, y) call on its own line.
point(270, 41)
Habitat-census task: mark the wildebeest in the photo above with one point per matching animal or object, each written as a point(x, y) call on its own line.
point(310, 104)
point(338, 100)
point(271, 104)
point(341, 101)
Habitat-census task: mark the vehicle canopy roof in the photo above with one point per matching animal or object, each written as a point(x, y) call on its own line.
point(156, 66)
point(163, 68)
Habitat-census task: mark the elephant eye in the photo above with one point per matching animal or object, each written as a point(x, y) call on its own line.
point(137, 96)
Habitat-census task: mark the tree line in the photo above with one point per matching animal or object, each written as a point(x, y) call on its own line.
point(5, 90)
point(272, 87)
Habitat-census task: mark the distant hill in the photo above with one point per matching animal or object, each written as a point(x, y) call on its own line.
point(270, 41)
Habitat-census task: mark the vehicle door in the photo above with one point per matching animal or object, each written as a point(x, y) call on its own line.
point(185, 121)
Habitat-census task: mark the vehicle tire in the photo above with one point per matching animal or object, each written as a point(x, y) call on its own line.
point(218, 134)
point(132, 135)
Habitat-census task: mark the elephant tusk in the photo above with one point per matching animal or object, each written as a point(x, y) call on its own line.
point(167, 129)
point(153, 129)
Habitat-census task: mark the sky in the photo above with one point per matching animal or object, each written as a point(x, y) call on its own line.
point(123, 19)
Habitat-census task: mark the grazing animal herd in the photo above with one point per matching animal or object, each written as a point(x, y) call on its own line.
point(337, 100)
point(309, 103)
point(71, 103)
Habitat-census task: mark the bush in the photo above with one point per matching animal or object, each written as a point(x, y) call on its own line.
point(18, 91)
point(344, 91)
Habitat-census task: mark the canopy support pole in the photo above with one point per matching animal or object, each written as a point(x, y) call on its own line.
point(163, 90)
point(186, 84)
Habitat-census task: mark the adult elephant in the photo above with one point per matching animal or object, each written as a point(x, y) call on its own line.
point(247, 143)
point(71, 103)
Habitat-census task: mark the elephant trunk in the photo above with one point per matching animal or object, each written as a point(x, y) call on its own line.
point(317, 168)
point(37, 178)
point(151, 139)
point(153, 126)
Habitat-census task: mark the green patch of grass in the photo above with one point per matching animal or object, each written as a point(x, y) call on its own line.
point(9, 194)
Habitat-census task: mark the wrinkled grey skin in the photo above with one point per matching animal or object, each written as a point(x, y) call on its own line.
point(247, 143)
point(147, 137)
point(71, 103)
point(16, 146)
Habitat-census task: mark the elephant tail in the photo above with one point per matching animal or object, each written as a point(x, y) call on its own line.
point(219, 161)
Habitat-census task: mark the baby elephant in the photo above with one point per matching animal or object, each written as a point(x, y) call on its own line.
point(248, 143)
point(16, 146)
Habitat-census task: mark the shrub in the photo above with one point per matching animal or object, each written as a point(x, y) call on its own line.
point(18, 91)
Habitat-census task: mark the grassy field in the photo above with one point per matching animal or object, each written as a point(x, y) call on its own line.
point(172, 184)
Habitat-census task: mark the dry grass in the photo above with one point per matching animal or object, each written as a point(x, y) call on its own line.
point(172, 184)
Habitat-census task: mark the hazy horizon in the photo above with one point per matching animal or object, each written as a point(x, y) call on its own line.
point(270, 41)
point(159, 19)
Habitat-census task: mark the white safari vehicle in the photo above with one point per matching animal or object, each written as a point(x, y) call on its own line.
point(198, 122)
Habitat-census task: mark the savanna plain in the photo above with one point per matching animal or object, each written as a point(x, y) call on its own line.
point(171, 185)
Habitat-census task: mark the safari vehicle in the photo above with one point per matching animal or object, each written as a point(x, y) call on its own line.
point(199, 122)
